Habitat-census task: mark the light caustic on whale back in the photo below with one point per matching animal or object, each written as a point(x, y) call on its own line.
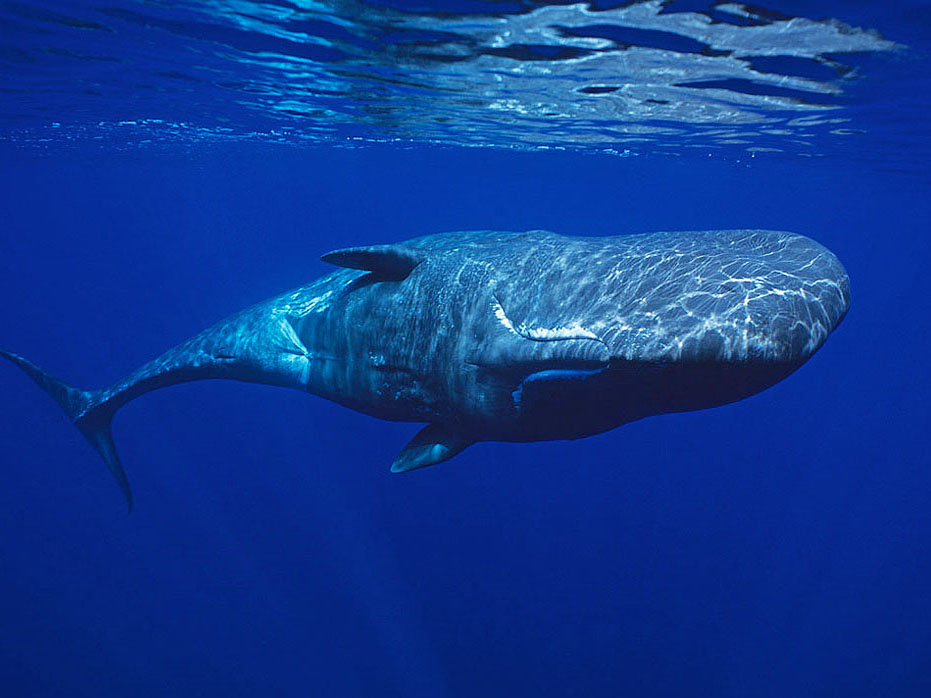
point(498, 336)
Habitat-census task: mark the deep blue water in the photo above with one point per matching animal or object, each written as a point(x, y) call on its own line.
point(775, 547)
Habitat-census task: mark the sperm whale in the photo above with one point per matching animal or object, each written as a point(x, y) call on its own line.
point(513, 336)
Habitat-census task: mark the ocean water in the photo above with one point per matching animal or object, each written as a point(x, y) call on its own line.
point(163, 165)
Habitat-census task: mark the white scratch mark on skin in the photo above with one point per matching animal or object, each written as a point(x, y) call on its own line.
point(573, 331)
point(543, 334)
point(503, 318)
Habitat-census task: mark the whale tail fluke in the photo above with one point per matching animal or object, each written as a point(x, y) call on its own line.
point(89, 412)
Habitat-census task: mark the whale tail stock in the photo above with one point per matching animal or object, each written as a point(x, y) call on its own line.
point(89, 410)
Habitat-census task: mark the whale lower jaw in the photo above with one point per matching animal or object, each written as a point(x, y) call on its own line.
point(573, 400)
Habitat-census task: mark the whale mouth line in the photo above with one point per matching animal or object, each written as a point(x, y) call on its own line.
point(574, 331)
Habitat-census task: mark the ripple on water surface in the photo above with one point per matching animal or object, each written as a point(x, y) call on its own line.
point(647, 76)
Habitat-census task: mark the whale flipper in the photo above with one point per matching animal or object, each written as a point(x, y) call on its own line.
point(392, 262)
point(433, 444)
point(85, 410)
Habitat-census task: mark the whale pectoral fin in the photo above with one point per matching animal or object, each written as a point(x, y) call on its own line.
point(433, 444)
point(393, 262)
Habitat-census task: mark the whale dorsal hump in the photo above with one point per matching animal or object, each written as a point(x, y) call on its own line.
point(392, 262)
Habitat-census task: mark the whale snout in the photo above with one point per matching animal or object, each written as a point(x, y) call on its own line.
point(802, 298)
point(747, 296)
point(802, 322)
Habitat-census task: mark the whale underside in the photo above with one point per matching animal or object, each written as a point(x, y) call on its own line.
point(488, 335)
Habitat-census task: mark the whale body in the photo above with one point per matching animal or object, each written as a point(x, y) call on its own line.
point(501, 336)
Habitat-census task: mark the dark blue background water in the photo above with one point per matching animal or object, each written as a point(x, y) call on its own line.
point(774, 547)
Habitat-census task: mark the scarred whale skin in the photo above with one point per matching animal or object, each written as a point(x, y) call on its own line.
point(514, 336)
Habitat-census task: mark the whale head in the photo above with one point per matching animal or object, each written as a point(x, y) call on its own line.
point(602, 331)
point(732, 296)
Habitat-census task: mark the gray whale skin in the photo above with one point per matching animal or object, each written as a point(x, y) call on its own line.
point(499, 336)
